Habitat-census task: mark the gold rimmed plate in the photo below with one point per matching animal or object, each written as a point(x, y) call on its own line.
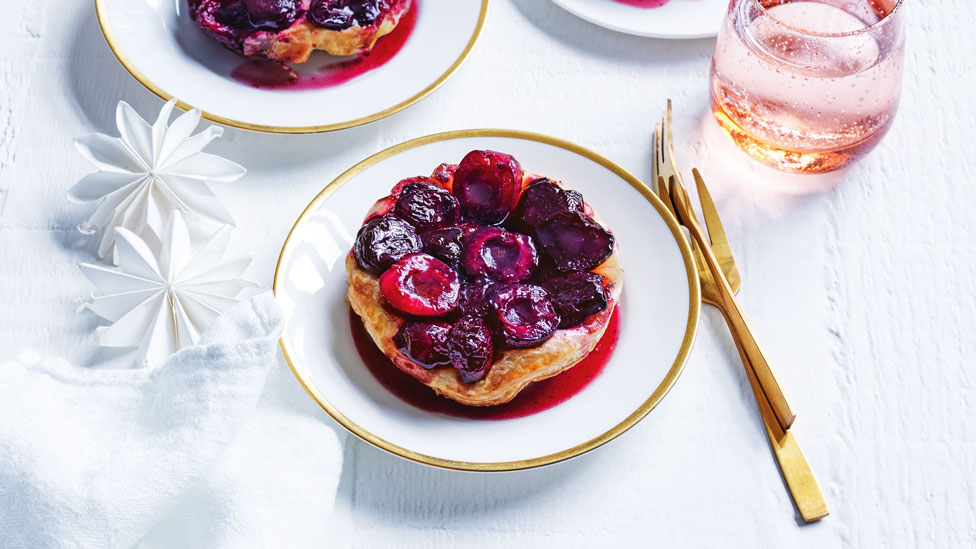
point(161, 47)
point(658, 311)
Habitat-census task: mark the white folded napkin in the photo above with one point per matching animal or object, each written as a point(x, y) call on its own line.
point(177, 455)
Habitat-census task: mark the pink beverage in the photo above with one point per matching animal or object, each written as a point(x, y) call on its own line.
point(808, 85)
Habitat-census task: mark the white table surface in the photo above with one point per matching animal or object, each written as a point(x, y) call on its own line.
point(860, 285)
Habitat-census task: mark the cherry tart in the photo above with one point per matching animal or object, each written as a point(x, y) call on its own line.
point(288, 31)
point(482, 279)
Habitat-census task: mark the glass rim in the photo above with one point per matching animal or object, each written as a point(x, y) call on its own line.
point(881, 22)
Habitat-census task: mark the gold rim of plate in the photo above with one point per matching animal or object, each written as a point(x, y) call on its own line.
point(694, 306)
point(129, 66)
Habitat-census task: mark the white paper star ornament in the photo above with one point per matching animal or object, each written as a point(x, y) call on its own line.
point(161, 300)
point(150, 170)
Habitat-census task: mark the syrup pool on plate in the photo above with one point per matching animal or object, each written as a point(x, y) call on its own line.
point(535, 398)
point(643, 3)
point(334, 71)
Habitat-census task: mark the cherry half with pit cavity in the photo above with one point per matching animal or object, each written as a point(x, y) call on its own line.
point(500, 255)
point(488, 185)
point(523, 315)
point(421, 285)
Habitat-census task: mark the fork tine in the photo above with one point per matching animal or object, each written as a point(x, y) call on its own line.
point(716, 232)
point(669, 142)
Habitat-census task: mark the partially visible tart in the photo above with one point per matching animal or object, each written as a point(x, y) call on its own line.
point(482, 279)
point(288, 31)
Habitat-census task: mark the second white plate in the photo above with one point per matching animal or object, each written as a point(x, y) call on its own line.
point(674, 19)
point(158, 43)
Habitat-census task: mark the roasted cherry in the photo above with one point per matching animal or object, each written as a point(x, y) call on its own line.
point(445, 244)
point(488, 185)
point(523, 315)
point(421, 285)
point(342, 14)
point(576, 296)
point(424, 342)
point(273, 15)
point(427, 206)
point(500, 255)
point(470, 348)
point(574, 242)
point(473, 300)
point(541, 200)
point(382, 240)
point(234, 15)
point(398, 188)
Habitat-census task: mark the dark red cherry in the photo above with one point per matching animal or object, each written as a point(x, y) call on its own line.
point(382, 240)
point(500, 255)
point(233, 14)
point(342, 14)
point(488, 185)
point(470, 348)
point(523, 315)
point(444, 175)
point(445, 244)
point(398, 188)
point(473, 300)
point(427, 206)
point(541, 200)
point(421, 285)
point(424, 342)
point(577, 296)
point(273, 15)
point(574, 242)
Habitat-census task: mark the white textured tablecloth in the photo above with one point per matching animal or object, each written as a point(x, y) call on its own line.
point(860, 285)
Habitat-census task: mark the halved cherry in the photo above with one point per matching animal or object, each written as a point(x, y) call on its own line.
point(577, 296)
point(424, 342)
point(382, 240)
point(500, 255)
point(541, 200)
point(488, 185)
point(523, 315)
point(421, 285)
point(470, 348)
point(574, 242)
point(427, 206)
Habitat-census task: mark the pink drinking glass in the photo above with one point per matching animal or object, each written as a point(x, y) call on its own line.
point(808, 86)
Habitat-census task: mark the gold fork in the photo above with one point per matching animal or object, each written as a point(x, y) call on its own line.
point(796, 471)
point(714, 291)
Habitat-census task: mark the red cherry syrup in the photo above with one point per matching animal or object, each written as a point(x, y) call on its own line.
point(643, 3)
point(533, 399)
point(268, 75)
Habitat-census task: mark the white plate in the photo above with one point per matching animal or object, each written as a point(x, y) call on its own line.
point(659, 311)
point(158, 43)
point(675, 19)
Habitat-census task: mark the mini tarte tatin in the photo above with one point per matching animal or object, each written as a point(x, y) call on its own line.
point(481, 279)
point(288, 31)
